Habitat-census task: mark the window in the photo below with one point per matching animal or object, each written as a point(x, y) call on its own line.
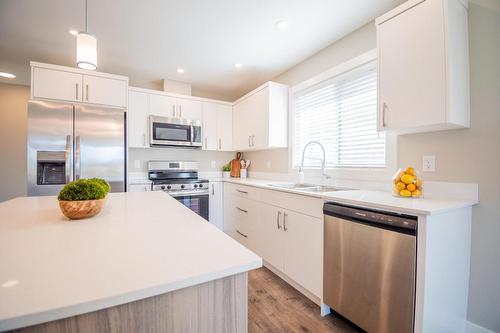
point(341, 113)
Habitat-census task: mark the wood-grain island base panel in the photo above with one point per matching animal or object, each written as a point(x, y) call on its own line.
point(212, 307)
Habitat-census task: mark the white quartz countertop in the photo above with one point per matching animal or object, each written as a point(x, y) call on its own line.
point(366, 198)
point(142, 244)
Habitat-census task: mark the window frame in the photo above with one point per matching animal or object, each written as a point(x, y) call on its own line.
point(370, 174)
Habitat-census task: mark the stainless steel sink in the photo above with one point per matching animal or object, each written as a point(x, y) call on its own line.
point(310, 187)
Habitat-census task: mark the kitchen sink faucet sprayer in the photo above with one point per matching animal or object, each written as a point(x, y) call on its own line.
point(301, 173)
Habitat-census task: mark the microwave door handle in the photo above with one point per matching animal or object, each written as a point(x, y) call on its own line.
point(192, 134)
point(67, 159)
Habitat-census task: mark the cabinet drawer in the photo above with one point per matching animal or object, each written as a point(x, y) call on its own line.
point(240, 219)
point(242, 191)
point(295, 202)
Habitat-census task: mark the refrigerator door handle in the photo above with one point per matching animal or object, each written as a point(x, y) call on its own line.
point(77, 158)
point(67, 159)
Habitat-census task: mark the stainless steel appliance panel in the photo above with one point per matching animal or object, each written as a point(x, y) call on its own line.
point(165, 131)
point(100, 145)
point(50, 137)
point(369, 275)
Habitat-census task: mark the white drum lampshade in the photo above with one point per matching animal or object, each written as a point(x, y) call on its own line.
point(86, 51)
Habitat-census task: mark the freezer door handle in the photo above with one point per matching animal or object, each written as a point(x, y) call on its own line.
point(67, 159)
point(78, 160)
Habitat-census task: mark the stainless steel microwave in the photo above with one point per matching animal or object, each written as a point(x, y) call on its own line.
point(165, 131)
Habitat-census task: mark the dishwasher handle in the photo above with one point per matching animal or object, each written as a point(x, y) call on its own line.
point(375, 218)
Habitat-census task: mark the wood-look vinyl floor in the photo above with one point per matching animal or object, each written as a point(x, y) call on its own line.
point(275, 306)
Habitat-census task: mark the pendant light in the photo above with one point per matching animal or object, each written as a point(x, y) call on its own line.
point(86, 47)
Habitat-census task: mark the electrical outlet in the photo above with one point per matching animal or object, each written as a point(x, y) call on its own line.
point(268, 164)
point(137, 164)
point(213, 164)
point(429, 163)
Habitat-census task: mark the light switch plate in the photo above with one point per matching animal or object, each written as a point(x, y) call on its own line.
point(429, 163)
point(137, 164)
point(268, 164)
point(213, 164)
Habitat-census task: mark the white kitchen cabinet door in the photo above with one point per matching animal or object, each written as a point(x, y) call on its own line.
point(242, 125)
point(303, 250)
point(210, 139)
point(104, 91)
point(137, 119)
point(189, 109)
point(259, 120)
point(139, 187)
point(161, 105)
point(224, 127)
point(54, 84)
point(269, 234)
point(216, 204)
point(423, 67)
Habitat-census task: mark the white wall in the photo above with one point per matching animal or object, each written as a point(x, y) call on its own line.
point(469, 155)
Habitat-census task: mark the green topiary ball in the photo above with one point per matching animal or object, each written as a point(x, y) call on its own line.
point(83, 189)
point(103, 183)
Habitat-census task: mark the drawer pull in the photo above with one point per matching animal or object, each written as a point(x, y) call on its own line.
point(241, 191)
point(242, 210)
point(278, 219)
point(246, 236)
point(284, 222)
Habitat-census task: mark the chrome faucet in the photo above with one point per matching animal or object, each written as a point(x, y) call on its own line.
point(322, 159)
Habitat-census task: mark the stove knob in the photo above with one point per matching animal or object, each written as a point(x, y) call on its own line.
point(169, 187)
point(162, 187)
point(182, 186)
point(195, 185)
point(201, 185)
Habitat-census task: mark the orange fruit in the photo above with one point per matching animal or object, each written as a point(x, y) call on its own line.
point(411, 187)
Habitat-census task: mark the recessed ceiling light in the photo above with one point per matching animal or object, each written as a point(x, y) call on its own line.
point(281, 24)
point(7, 75)
point(73, 32)
point(180, 71)
point(238, 65)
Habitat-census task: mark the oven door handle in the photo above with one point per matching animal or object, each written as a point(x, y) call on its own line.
point(190, 193)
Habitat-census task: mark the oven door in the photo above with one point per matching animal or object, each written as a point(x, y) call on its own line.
point(170, 131)
point(196, 201)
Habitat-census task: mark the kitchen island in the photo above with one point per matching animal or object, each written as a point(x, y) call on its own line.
point(145, 263)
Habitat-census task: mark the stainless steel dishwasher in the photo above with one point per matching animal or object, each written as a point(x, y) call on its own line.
point(369, 267)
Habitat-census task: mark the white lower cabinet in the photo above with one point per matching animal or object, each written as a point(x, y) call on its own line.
point(139, 187)
point(216, 204)
point(288, 240)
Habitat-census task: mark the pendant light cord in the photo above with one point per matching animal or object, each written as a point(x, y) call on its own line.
point(86, 17)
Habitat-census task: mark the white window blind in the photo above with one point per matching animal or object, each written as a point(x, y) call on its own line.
point(340, 113)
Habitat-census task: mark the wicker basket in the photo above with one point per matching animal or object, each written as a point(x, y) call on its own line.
point(75, 210)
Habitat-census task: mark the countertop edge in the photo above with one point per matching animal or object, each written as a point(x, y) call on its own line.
point(96, 305)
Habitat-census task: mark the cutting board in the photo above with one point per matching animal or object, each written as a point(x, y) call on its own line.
point(236, 165)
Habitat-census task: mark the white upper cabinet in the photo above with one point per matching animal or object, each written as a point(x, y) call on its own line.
point(101, 90)
point(69, 84)
point(137, 119)
point(52, 84)
point(161, 105)
point(217, 126)
point(260, 118)
point(189, 109)
point(423, 67)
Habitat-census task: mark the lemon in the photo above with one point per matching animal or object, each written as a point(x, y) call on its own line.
point(405, 193)
point(418, 182)
point(410, 171)
point(411, 187)
point(416, 193)
point(400, 186)
point(408, 179)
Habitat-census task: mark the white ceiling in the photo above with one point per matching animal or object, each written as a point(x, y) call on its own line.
point(148, 40)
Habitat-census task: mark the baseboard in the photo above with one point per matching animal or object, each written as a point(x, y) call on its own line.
point(474, 328)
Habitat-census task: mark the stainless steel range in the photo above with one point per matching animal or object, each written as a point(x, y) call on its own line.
point(180, 180)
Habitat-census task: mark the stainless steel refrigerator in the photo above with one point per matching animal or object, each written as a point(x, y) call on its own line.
point(67, 142)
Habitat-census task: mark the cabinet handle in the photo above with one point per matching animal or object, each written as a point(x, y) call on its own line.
point(144, 139)
point(87, 92)
point(278, 219)
point(384, 107)
point(220, 144)
point(253, 137)
point(77, 88)
point(180, 111)
point(173, 110)
point(284, 222)
point(246, 236)
point(206, 145)
point(242, 210)
point(241, 191)
point(249, 144)
point(213, 190)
